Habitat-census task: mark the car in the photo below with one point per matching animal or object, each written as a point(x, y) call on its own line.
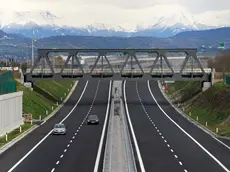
point(93, 119)
point(59, 129)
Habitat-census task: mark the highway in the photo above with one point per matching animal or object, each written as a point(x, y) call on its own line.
point(162, 139)
point(166, 140)
point(78, 150)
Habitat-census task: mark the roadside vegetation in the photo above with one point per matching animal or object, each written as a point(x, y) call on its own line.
point(13, 134)
point(38, 102)
point(210, 108)
point(45, 95)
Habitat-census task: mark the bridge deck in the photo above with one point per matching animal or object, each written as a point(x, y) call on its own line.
point(130, 65)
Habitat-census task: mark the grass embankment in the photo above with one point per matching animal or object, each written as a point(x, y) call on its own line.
point(211, 106)
point(37, 104)
point(13, 134)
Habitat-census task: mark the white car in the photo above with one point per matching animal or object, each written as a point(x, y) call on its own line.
point(59, 129)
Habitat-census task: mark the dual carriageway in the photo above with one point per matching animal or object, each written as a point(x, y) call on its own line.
point(163, 140)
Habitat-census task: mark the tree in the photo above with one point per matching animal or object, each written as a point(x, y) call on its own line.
point(58, 61)
point(222, 63)
point(211, 63)
point(24, 67)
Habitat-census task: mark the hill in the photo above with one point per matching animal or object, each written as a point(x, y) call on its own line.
point(208, 40)
point(211, 106)
point(2, 34)
point(45, 95)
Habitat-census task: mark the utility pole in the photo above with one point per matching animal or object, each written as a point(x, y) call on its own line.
point(32, 52)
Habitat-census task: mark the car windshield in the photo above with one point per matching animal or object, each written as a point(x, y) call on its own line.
point(93, 117)
point(59, 126)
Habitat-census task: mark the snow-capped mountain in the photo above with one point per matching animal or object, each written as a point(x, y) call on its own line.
point(38, 24)
point(2, 34)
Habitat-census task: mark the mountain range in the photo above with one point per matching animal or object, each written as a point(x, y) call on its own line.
point(40, 24)
point(205, 41)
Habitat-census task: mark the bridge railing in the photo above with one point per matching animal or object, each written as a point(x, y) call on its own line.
point(87, 71)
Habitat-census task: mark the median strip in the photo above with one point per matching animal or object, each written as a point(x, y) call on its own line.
point(118, 154)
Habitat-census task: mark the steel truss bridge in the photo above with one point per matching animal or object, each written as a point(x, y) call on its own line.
point(131, 64)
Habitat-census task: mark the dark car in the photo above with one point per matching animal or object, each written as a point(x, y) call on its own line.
point(93, 119)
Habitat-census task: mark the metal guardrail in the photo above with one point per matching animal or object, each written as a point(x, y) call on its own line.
point(128, 145)
point(109, 162)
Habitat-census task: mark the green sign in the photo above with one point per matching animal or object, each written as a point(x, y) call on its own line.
point(221, 44)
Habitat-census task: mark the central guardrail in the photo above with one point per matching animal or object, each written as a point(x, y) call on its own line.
point(118, 154)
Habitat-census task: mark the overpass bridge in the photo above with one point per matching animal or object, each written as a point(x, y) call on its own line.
point(142, 64)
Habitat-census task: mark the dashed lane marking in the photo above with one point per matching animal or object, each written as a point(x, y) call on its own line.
point(79, 128)
point(42, 140)
point(142, 168)
point(193, 139)
point(157, 129)
point(96, 166)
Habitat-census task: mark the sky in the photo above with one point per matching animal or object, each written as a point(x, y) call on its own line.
point(125, 13)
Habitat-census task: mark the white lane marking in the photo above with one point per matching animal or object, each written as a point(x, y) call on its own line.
point(61, 156)
point(53, 170)
point(83, 119)
point(176, 156)
point(57, 162)
point(42, 140)
point(103, 132)
point(180, 163)
point(132, 132)
point(200, 127)
point(194, 140)
point(156, 127)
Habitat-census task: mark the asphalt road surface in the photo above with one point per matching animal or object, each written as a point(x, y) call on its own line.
point(164, 147)
point(77, 150)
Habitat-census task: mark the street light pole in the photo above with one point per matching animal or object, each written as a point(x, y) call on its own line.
point(32, 52)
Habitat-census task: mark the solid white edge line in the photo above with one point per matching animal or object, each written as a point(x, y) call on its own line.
point(132, 132)
point(197, 125)
point(194, 140)
point(96, 166)
point(31, 150)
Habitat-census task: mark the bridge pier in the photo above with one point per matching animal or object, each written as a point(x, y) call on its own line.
point(206, 85)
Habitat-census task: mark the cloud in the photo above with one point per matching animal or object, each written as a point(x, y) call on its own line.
point(127, 13)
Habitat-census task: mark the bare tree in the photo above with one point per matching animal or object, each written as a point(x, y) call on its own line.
point(24, 67)
point(58, 61)
point(211, 63)
point(222, 63)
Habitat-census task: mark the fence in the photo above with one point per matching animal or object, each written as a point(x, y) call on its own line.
point(7, 84)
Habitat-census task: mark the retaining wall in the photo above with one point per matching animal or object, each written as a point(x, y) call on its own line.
point(10, 112)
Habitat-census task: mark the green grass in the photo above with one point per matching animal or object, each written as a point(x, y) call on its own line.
point(36, 104)
point(185, 89)
point(13, 134)
point(213, 117)
point(57, 89)
point(211, 106)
